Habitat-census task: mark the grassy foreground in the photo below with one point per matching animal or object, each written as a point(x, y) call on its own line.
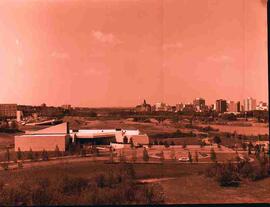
point(99, 183)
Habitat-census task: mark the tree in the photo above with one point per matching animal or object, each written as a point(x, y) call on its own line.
point(189, 157)
point(30, 155)
point(44, 155)
point(213, 155)
point(131, 143)
point(160, 142)
point(19, 154)
point(134, 155)
point(172, 143)
point(196, 157)
point(145, 155)
point(57, 151)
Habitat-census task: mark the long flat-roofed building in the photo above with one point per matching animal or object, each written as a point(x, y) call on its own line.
point(61, 136)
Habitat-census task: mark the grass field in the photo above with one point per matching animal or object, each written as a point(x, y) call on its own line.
point(188, 186)
point(197, 189)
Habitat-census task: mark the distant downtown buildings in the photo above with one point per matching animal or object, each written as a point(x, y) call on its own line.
point(199, 105)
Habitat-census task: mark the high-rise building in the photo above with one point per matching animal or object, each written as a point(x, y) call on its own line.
point(249, 104)
point(234, 106)
point(199, 104)
point(221, 106)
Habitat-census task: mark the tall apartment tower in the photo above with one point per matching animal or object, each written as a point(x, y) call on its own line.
point(234, 106)
point(199, 104)
point(249, 104)
point(221, 106)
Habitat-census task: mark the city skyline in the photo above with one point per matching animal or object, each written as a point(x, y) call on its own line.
point(242, 102)
point(85, 53)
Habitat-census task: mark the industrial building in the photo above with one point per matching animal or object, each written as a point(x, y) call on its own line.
point(47, 139)
point(8, 110)
point(61, 136)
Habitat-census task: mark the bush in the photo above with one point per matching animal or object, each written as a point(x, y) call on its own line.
point(111, 188)
point(229, 174)
point(213, 155)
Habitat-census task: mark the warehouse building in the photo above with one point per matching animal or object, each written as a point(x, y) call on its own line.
point(61, 136)
point(45, 139)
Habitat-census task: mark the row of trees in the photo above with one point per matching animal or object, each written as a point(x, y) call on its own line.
point(44, 155)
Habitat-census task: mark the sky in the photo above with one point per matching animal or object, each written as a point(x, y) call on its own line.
point(112, 53)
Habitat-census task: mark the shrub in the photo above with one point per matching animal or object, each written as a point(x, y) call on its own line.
point(154, 194)
point(227, 175)
point(213, 155)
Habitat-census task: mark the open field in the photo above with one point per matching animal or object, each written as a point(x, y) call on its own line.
point(244, 130)
point(197, 189)
point(6, 139)
point(187, 183)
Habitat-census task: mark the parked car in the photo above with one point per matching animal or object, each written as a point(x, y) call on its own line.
point(183, 159)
